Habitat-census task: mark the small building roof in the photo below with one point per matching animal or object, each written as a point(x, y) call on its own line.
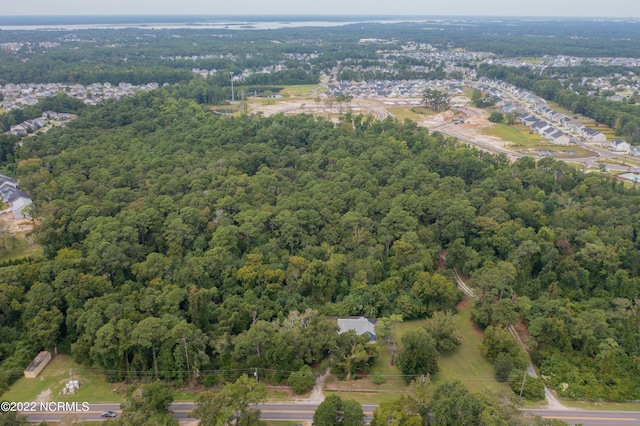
point(360, 325)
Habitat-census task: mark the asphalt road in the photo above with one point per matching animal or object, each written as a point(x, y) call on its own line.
point(302, 411)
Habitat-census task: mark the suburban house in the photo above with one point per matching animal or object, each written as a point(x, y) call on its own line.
point(360, 325)
point(619, 145)
point(560, 138)
point(635, 151)
point(594, 135)
point(14, 197)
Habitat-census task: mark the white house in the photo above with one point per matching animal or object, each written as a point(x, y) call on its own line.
point(619, 145)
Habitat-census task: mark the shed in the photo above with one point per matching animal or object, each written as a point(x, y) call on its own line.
point(37, 365)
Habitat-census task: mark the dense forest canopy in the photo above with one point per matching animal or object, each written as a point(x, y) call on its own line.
point(168, 230)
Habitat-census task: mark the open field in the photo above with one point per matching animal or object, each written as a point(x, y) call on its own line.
point(305, 90)
point(94, 388)
point(518, 134)
point(415, 113)
point(20, 248)
point(467, 363)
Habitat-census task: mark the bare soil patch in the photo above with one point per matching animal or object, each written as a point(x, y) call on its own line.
point(14, 225)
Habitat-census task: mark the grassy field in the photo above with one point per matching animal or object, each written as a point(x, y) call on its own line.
point(21, 248)
point(528, 142)
point(518, 134)
point(303, 90)
point(467, 363)
point(415, 113)
point(94, 388)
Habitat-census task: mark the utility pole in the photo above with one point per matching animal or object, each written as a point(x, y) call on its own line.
point(522, 385)
point(233, 96)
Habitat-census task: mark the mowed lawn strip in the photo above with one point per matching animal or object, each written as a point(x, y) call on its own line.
point(467, 363)
point(94, 387)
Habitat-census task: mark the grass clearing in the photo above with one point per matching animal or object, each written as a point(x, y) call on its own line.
point(517, 133)
point(414, 113)
point(467, 364)
point(20, 248)
point(94, 387)
point(303, 90)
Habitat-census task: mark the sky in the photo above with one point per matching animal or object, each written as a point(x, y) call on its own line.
point(575, 8)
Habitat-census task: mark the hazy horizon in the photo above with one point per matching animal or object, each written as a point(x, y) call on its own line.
point(466, 8)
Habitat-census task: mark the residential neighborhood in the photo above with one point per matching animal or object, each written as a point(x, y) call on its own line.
point(27, 94)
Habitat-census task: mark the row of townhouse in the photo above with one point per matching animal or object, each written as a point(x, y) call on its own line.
point(540, 108)
point(546, 130)
point(392, 89)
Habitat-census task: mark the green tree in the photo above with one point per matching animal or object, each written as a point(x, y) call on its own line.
point(385, 332)
point(503, 366)
point(333, 411)
point(232, 404)
point(435, 100)
point(352, 353)
point(418, 355)
point(302, 381)
point(496, 117)
point(443, 327)
point(148, 405)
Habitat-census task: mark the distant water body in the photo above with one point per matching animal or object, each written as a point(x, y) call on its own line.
point(187, 22)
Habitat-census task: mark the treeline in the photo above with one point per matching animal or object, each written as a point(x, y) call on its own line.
point(623, 117)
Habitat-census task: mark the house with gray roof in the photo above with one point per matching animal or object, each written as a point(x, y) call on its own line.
point(619, 145)
point(360, 325)
point(14, 197)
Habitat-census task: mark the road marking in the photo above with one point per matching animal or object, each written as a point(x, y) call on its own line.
point(299, 412)
point(612, 419)
point(66, 412)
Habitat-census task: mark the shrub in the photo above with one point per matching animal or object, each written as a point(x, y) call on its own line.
point(503, 366)
point(532, 388)
point(302, 381)
point(377, 379)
